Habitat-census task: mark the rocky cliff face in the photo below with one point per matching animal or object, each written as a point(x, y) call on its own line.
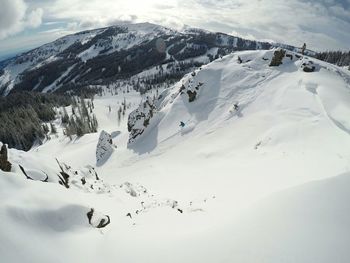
point(140, 118)
point(104, 148)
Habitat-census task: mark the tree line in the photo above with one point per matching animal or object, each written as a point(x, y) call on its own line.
point(22, 115)
point(82, 119)
point(338, 58)
point(27, 117)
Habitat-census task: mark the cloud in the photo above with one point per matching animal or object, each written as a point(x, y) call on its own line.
point(12, 13)
point(14, 17)
point(322, 24)
point(34, 18)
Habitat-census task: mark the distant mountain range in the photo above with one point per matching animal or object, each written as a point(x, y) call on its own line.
point(147, 52)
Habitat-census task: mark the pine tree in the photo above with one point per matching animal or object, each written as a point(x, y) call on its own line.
point(119, 115)
point(65, 117)
point(53, 128)
point(45, 128)
point(124, 107)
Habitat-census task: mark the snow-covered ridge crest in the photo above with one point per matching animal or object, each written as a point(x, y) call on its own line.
point(231, 88)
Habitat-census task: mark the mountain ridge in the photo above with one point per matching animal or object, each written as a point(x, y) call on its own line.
point(106, 55)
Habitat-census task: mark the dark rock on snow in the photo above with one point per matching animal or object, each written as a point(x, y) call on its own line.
point(98, 220)
point(140, 118)
point(104, 147)
point(277, 58)
point(5, 165)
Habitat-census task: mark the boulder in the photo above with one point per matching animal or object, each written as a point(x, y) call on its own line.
point(191, 95)
point(277, 58)
point(308, 66)
point(5, 165)
point(98, 220)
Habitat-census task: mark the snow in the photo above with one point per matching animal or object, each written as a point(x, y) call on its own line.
point(89, 53)
point(267, 182)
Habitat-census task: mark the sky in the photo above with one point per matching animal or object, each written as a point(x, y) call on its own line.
point(322, 24)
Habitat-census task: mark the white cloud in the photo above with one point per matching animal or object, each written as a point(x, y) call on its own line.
point(322, 24)
point(34, 18)
point(12, 13)
point(14, 17)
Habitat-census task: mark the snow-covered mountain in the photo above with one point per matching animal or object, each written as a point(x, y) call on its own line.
point(105, 55)
point(257, 172)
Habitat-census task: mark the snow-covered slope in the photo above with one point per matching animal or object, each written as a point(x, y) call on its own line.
point(259, 173)
point(277, 103)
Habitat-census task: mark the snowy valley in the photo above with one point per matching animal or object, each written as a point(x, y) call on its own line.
point(245, 159)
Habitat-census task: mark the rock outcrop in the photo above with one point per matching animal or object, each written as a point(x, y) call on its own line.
point(104, 148)
point(98, 220)
point(191, 95)
point(308, 66)
point(140, 118)
point(85, 179)
point(277, 58)
point(5, 165)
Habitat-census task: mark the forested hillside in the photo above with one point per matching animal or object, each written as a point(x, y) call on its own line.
point(22, 115)
point(338, 58)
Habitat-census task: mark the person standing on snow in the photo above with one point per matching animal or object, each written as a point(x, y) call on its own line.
point(182, 124)
point(303, 49)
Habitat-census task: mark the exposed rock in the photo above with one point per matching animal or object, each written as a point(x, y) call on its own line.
point(84, 178)
point(98, 220)
point(289, 56)
point(308, 66)
point(5, 165)
point(191, 95)
point(63, 177)
point(140, 118)
point(104, 148)
point(277, 58)
point(24, 172)
point(191, 88)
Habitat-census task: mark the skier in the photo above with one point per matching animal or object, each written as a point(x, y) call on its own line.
point(235, 106)
point(303, 49)
point(182, 124)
